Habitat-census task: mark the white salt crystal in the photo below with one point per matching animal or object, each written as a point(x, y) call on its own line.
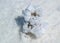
point(37, 29)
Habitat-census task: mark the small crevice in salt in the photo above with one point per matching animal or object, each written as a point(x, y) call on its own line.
point(31, 35)
point(30, 25)
point(34, 14)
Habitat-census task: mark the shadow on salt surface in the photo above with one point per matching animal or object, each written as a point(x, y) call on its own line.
point(20, 22)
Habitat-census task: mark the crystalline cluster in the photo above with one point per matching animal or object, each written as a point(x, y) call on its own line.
point(33, 24)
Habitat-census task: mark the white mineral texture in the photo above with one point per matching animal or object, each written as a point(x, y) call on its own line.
point(33, 19)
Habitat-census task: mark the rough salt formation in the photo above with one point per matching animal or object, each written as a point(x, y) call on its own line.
point(33, 26)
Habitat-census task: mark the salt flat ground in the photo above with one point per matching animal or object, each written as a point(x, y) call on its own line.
point(10, 9)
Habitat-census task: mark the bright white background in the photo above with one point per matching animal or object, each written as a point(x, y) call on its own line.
point(10, 9)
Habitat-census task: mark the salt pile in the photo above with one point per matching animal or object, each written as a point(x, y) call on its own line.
point(31, 23)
